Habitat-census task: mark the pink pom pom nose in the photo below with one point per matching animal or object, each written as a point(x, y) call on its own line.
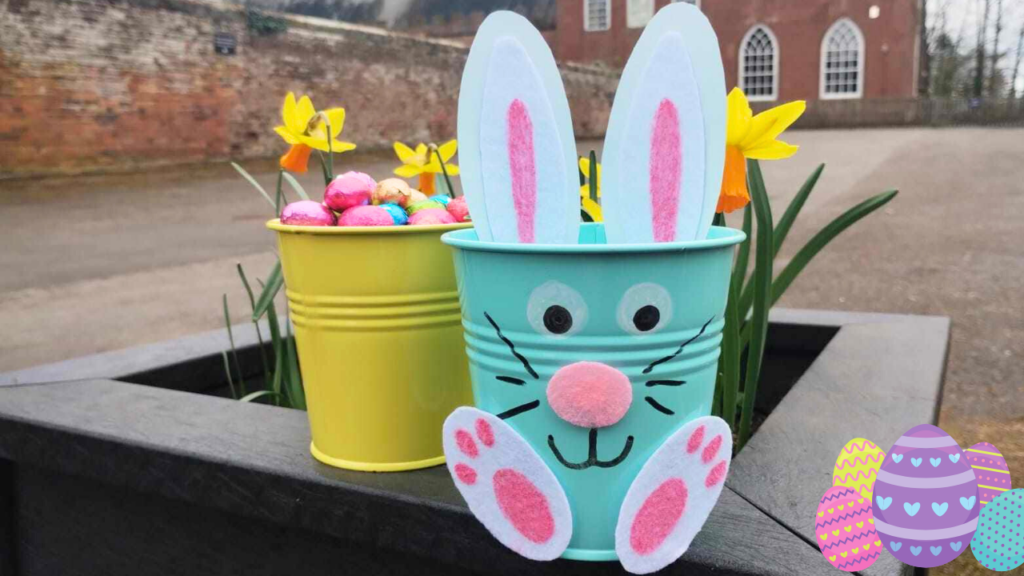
point(590, 394)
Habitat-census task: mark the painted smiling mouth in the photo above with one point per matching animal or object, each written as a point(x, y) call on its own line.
point(592, 459)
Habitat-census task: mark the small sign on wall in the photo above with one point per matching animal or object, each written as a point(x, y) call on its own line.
point(639, 13)
point(224, 43)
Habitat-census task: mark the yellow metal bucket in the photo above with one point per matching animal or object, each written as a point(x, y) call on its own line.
point(379, 335)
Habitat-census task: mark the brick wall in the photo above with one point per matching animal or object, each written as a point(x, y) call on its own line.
point(891, 40)
point(117, 84)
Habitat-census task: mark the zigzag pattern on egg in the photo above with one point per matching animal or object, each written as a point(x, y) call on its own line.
point(845, 529)
point(857, 466)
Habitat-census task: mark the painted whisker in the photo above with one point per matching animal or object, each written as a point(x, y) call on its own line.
point(658, 406)
point(665, 383)
point(512, 347)
point(511, 380)
point(519, 410)
point(679, 350)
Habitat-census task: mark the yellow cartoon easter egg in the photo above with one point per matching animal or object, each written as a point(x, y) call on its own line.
point(858, 465)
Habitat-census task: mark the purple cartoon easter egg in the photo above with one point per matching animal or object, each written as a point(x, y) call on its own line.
point(926, 498)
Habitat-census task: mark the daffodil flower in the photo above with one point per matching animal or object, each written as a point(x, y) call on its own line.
point(753, 137)
point(306, 129)
point(590, 205)
point(423, 162)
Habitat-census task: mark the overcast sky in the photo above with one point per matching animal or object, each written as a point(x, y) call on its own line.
point(963, 17)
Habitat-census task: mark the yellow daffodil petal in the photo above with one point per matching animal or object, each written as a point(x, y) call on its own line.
point(448, 149)
point(769, 124)
point(774, 150)
point(304, 111)
point(739, 114)
point(320, 144)
point(421, 150)
point(283, 132)
point(404, 153)
point(593, 209)
point(585, 165)
point(336, 118)
point(288, 115)
point(408, 171)
point(452, 169)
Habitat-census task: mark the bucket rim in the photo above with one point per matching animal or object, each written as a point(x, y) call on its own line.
point(719, 237)
point(276, 225)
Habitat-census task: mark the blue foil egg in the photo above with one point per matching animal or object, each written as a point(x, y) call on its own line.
point(397, 213)
point(442, 198)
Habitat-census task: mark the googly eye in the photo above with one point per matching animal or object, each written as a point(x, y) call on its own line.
point(645, 309)
point(555, 309)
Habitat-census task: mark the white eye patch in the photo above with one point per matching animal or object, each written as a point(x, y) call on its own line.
point(557, 310)
point(645, 309)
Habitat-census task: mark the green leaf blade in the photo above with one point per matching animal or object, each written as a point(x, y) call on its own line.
point(255, 184)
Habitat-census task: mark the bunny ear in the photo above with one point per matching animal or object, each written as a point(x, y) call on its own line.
point(664, 151)
point(517, 150)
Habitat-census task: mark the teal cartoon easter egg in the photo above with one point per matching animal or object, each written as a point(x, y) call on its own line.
point(998, 544)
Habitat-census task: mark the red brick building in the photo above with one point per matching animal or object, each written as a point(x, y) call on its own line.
point(773, 49)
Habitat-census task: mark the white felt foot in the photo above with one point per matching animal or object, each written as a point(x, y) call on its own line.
point(507, 486)
point(673, 495)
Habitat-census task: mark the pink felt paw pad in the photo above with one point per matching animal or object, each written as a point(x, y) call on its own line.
point(590, 394)
point(671, 498)
point(506, 484)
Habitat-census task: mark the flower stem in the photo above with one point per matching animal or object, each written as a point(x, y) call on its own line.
point(592, 177)
point(444, 171)
point(277, 198)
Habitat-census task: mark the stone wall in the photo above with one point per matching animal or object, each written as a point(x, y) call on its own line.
point(120, 84)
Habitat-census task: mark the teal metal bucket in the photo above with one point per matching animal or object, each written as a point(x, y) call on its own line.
point(606, 293)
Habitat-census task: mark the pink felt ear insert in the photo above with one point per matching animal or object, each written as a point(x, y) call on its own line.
point(672, 496)
point(507, 486)
point(590, 394)
point(522, 167)
point(666, 171)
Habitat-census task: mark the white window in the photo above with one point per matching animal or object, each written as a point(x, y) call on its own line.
point(597, 15)
point(842, 61)
point(639, 13)
point(759, 64)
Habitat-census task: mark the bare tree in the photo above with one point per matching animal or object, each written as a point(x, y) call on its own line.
point(979, 52)
point(993, 76)
point(1017, 62)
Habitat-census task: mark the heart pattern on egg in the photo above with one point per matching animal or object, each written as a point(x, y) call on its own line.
point(915, 550)
point(954, 458)
point(940, 509)
point(883, 503)
point(911, 509)
point(936, 550)
point(897, 458)
point(895, 546)
point(935, 462)
point(916, 462)
point(967, 503)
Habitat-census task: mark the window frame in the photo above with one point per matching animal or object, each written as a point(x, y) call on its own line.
point(586, 16)
point(776, 74)
point(694, 2)
point(823, 60)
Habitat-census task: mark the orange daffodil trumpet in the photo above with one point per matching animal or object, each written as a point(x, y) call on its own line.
point(423, 162)
point(306, 129)
point(753, 137)
point(590, 205)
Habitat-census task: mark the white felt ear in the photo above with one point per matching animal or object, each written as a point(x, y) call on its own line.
point(664, 149)
point(506, 484)
point(672, 497)
point(517, 149)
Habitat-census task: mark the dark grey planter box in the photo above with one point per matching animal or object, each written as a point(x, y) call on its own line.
point(99, 475)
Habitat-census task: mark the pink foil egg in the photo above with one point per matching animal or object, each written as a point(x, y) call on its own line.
point(366, 216)
point(431, 216)
point(349, 190)
point(459, 209)
point(307, 213)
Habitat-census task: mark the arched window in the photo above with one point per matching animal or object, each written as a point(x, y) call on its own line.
point(842, 61)
point(759, 64)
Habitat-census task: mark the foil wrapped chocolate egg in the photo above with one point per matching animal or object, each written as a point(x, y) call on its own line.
point(425, 205)
point(442, 198)
point(459, 209)
point(397, 213)
point(926, 498)
point(415, 197)
point(307, 213)
point(392, 191)
point(431, 216)
point(349, 190)
point(366, 216)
